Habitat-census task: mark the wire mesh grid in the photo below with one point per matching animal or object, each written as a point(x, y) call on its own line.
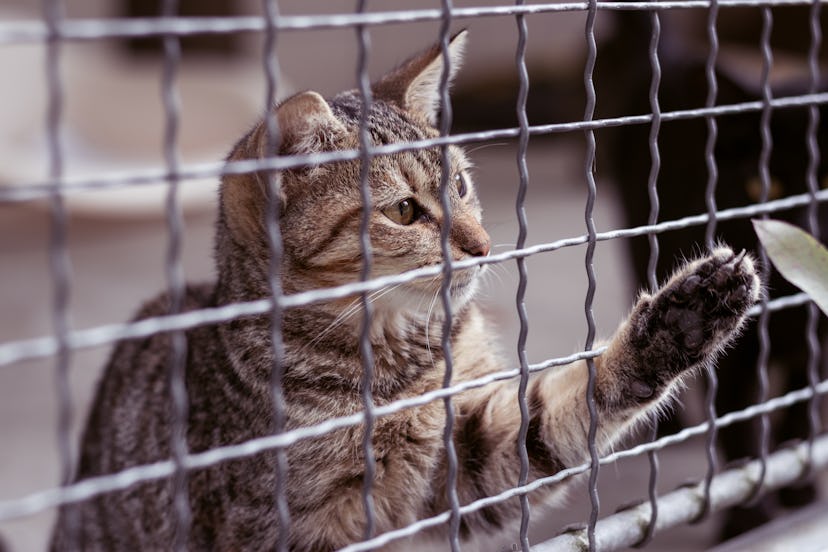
point(718, 490)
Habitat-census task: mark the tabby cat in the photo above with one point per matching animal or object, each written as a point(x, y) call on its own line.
point(670, 333)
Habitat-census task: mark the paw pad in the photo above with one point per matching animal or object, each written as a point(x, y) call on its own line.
point(699, 309)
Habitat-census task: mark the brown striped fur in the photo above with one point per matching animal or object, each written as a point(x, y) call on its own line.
point(228, 366)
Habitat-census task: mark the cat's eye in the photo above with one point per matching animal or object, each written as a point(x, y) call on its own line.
point(404, 212)
point(462, 185)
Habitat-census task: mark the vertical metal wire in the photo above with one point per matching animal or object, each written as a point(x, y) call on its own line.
point(712, 129)
point(445, 287)
point(523, 144)
point(652, 188)
point(270, 64)
point(367, 260)
point(764, 177)
point(710, 233)
point(175, 283)
point(59, 255)
point(60, 260)
point(589, 170)
point(812, 177)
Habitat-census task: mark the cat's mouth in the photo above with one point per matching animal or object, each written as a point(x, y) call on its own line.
point(459, 285)
point(462, 287)
point(463, 281)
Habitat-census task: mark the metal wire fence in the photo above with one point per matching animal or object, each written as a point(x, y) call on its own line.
point(718, 490)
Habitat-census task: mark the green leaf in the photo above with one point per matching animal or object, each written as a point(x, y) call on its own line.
point(801, 259)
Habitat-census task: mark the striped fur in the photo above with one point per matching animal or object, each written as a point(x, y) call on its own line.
point(229, 365)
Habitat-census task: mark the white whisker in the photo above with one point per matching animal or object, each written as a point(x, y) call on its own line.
point(484, 146)
point(346, 313)
point(428, 325)
point(500, 272)
point(353, 307)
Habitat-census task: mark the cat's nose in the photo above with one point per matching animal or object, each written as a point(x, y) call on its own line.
point(469, 236)
point(479, 247)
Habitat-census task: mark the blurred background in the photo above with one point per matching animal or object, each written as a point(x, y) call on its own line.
point(113, 123)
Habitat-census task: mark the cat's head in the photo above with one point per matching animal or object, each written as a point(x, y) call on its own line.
point(321, 206)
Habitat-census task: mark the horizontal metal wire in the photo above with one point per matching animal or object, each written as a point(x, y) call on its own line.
point(729, 488)
point(91, 29)
point(15, 351)
point(95, 29)
point(623, 529)
point(81, 491)
point(724, 421)
point(88, 488)
point(28, 191)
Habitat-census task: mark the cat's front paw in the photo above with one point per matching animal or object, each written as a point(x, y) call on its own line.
point(692, 317)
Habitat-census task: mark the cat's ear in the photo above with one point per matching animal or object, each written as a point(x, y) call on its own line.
point(415, 85)
point(306, 125)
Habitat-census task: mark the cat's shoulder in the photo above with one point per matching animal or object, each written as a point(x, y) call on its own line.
point(196, 296)
point(149, 353)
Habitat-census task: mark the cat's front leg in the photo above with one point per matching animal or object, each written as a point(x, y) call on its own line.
point(684, 325)
point(669, 334)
